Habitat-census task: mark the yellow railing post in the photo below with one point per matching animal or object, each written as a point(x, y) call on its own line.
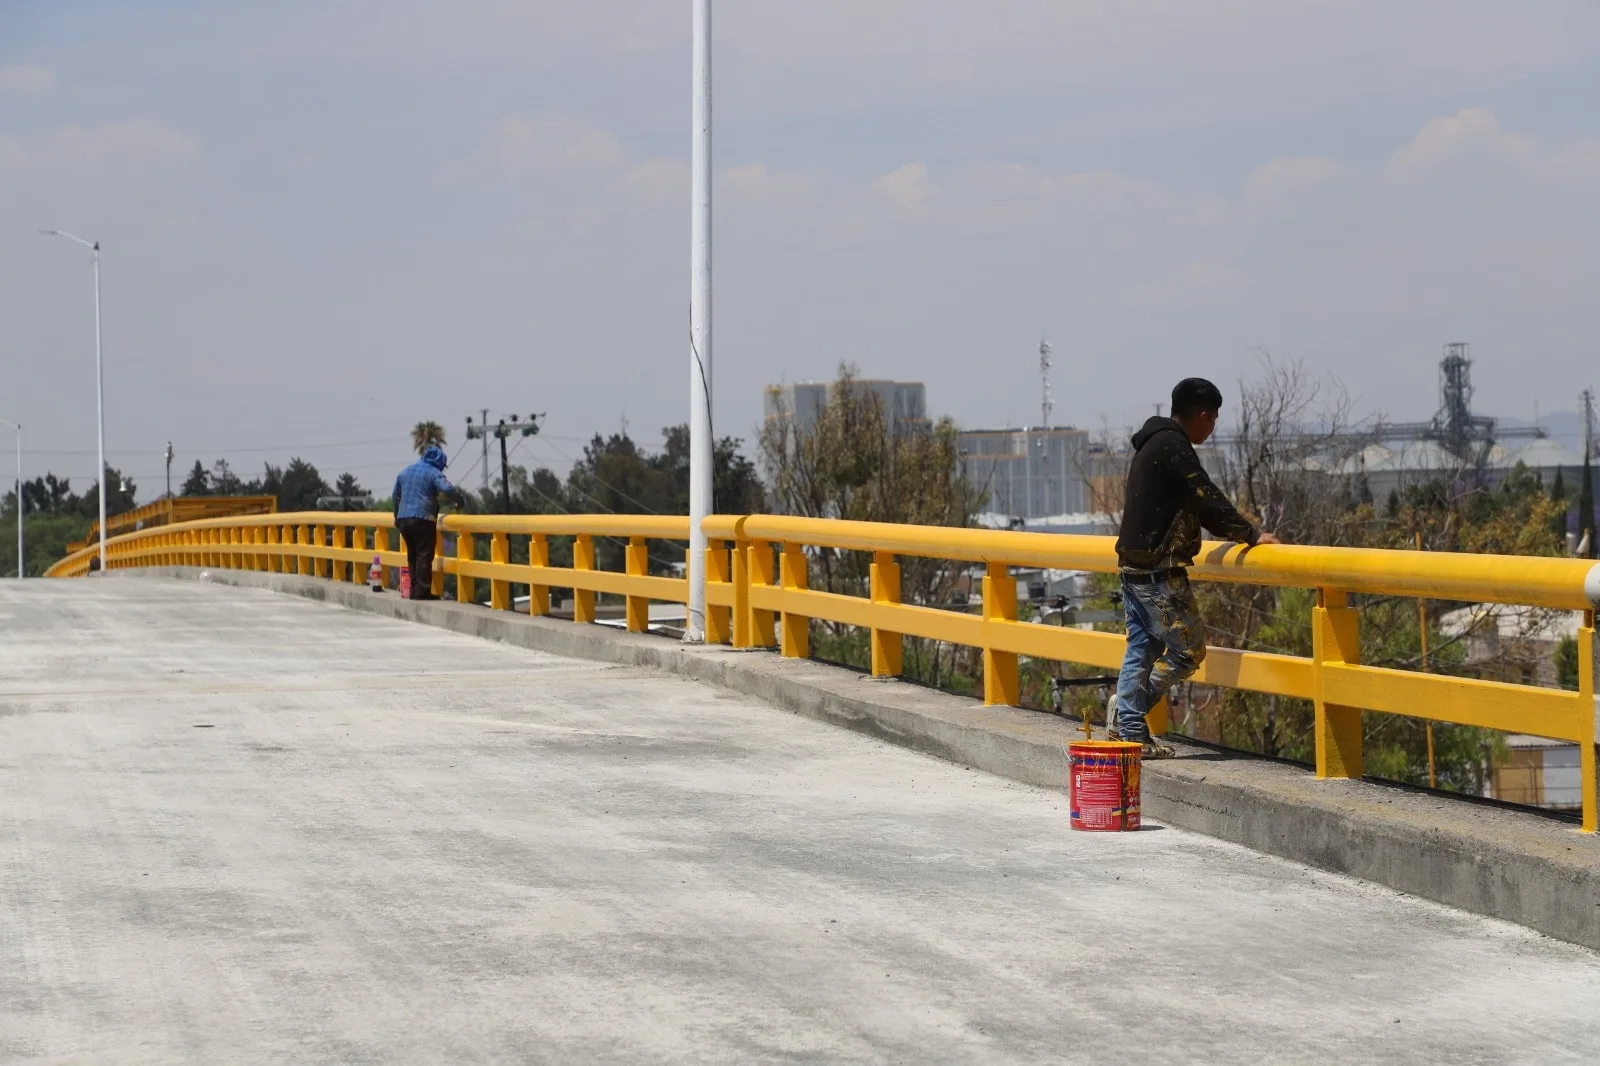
point(355, 541)
point(274, 548)
point(743, 631)
point(466, 587)
point(319, 538)
point(719, 569)
point(338, 534)
point(887, 646)
point(763, 623)
point(1001, 680)
point(636, 562)
point(1335, 638)
point(1585, 724)
point(436, 586)
point(500, 589)
point(583, 559)
point(380, 546)
point(304, 564)
point(795, 635)
point(235, 541)
point(538, 555)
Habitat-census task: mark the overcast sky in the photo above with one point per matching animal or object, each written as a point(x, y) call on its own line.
point(325, 221)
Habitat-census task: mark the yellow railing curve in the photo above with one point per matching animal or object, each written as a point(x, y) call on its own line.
point(758, 596)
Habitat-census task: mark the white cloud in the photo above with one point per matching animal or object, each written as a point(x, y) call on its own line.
point(1282, 179)
point(760, 183)
point(550, 139)
point(132, 148)
point(659, 181)
point(1470, 133)
point(909, 190)
point(28, 80)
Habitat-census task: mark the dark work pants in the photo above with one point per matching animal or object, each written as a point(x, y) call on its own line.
point(419, 535)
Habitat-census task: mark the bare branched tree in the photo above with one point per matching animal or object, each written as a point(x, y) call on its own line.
point(849, 462)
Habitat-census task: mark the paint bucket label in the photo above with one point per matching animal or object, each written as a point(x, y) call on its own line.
point(405, 582)
point(1103, 780)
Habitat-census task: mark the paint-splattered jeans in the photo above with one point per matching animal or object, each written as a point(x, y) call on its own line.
point(1166, 643)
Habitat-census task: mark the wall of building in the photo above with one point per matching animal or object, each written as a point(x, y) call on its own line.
point(1029, 473)
point(904, 403)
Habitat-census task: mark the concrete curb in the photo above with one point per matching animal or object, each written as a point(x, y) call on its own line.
point(1503, 863)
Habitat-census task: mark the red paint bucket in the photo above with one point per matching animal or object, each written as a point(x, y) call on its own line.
point(405, 582)
point(1104, 785)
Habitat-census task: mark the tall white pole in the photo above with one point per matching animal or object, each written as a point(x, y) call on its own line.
point(100, 405)
point(700, 444)
point(99, 380)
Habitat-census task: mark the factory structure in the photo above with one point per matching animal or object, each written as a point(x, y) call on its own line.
point(1055, 478)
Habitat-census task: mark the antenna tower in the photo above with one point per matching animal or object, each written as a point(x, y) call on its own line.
point(1047, 403)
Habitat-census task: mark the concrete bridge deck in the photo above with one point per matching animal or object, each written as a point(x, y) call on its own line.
point(238, 827)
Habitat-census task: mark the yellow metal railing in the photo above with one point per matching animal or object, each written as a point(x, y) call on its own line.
point(758, 596)
point(172, 509)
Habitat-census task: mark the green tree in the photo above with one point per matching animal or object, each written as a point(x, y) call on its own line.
point(349, 491)
point(198, 483)
point(224, 482)
point(425, 435)
point(301, 487)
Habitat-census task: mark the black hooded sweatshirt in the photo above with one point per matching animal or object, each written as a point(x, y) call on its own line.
point(1169, 497)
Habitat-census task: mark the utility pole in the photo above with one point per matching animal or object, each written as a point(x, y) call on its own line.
point(505, 471)
point(508, 425)
point(700, 378)
point(482, 432)
point(1586, 490)
point(169, 470)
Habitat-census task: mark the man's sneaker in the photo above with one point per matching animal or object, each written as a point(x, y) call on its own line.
point(1152, 750)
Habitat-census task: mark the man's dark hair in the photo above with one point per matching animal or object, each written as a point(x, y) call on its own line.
point(1193, 395)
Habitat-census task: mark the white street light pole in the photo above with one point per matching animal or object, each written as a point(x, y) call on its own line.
point(21, 507)
point(99, 381)
point(700, 445)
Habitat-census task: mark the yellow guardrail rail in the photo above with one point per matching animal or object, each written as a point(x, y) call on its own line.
point(758, 596)
point(172, 509)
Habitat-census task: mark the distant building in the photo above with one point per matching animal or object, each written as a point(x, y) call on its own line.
point(1029, 473)
point(905, 404)
point(1389, 467)
point(1520, 645)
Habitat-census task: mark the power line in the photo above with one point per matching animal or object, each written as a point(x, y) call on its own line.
point(227, 451)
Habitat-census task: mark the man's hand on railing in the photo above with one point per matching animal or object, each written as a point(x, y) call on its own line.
point(1267, 538)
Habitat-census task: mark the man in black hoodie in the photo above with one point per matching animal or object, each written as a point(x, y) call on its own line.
point(1169, 498)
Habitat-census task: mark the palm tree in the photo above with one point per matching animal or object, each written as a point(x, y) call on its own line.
point(425, 435)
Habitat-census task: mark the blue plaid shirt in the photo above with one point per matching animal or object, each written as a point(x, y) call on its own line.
point(417, 489)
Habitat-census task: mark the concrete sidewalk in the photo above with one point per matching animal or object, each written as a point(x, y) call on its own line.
point(238, 827)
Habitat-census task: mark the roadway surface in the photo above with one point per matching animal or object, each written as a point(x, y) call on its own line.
point(243, 828)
